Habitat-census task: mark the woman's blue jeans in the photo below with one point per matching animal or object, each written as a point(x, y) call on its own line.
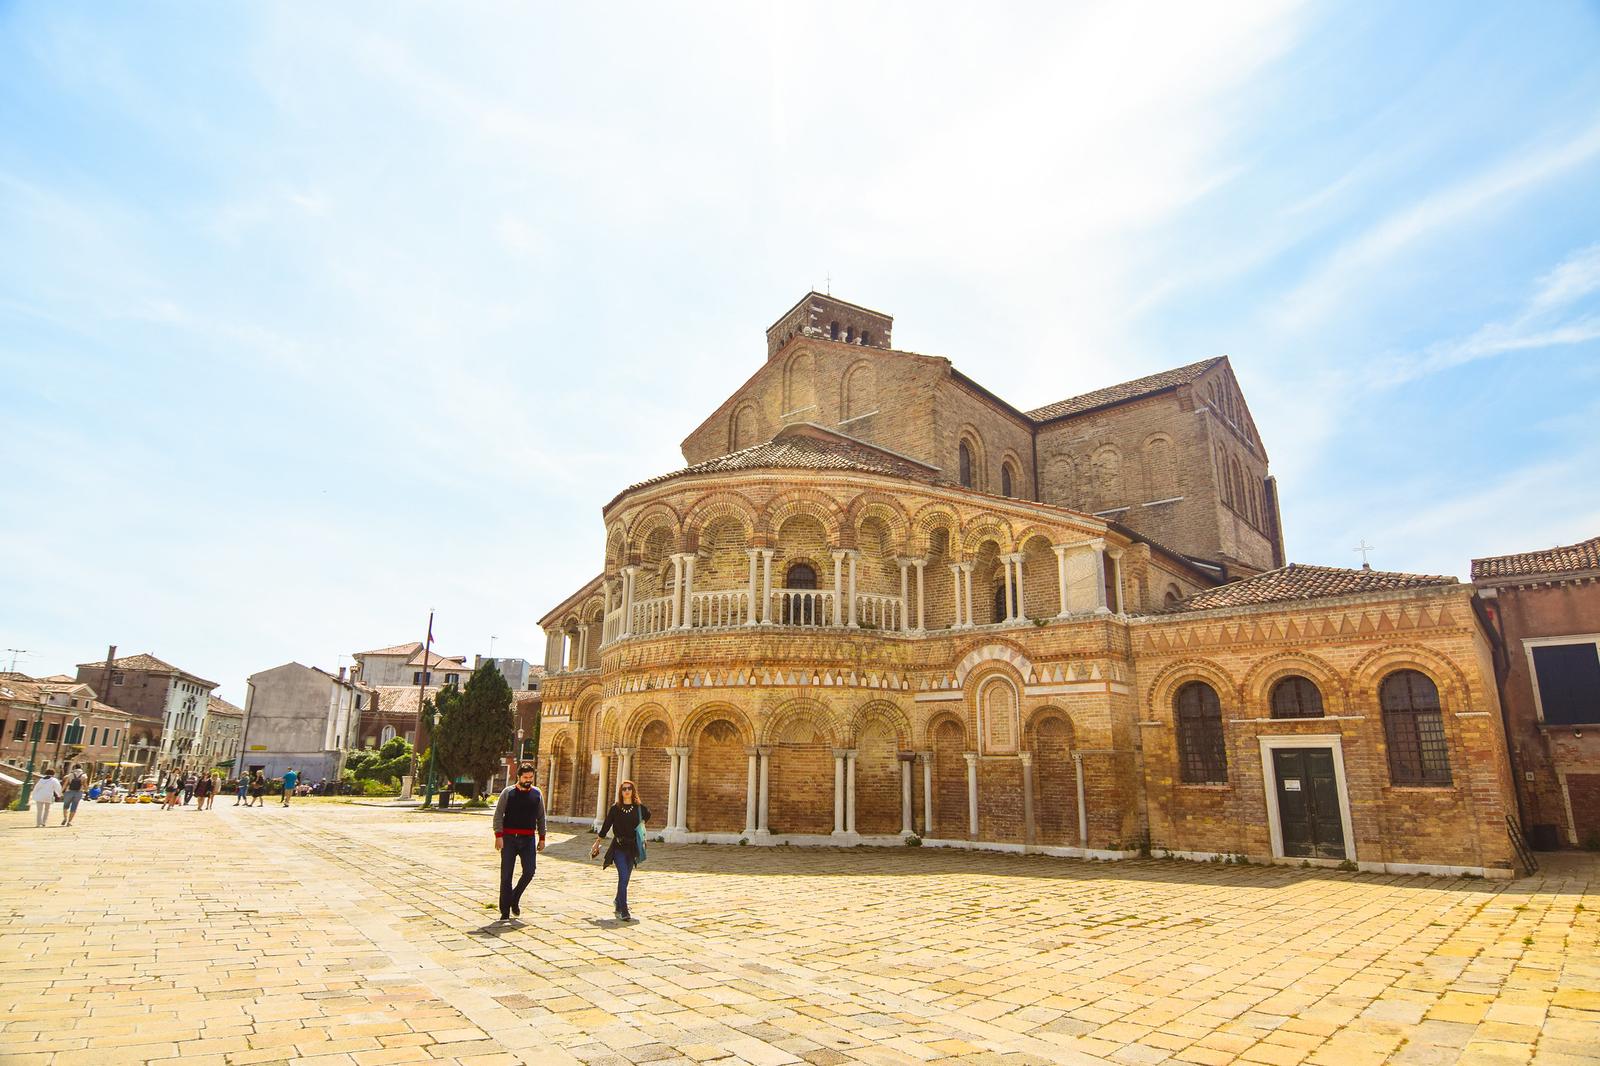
point(624, 871)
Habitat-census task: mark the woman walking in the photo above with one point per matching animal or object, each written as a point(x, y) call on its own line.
point(258, 790)
point(625, 821)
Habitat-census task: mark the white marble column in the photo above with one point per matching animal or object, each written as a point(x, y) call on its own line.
point(672, 788)
point(683, 790)
point(1083, 814)
point(850, 792)
point(920, 563)
point(762, 825)
point(628, 573)
point(1021, 610)
point(972, 794)
point(600, 804)
point(1115, 603)
point(905, 594)
point(686, 618)
point(966, 585)
point(751, 784)
point(753, 612)
point(1010, 616)
point(927, 792)
point(1061, 577)
point(838, 589)
point(850, 597)
point(955, 578)
point(1026, 759)
point(766, 584)
point(906, 827)
point(1098, 547)
point(677, 590)
point(550, 782)
point(838, 792)
point(583, 647)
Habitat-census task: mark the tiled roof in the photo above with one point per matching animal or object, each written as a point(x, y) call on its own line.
point(218, 705)
point(439, 660)
point(804, 447)
point(1585, 555)
point(1128, 390)
point(148, 663)
point(1298, 581)
point(399, 649)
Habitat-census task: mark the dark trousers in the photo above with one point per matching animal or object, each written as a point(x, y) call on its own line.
point(624, 863)
point(512, 846)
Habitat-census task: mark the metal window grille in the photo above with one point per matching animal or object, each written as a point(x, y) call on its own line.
point(1296, 697)
point(1414, 728)
point(1202, 753)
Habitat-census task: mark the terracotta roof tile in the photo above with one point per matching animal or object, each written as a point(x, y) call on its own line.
point(1298, 581)
point(1585, 555)
point(218, 705)
point(147, 662)
point(410, 648)
point(1128, 390)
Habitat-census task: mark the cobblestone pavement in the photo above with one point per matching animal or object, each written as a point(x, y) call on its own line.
point(332, 933)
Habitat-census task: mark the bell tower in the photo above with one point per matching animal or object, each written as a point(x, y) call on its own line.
point(829, 318)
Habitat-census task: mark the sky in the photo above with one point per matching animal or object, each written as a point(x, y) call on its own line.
point(317, 317)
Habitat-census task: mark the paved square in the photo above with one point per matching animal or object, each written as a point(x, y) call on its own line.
point(333, 933)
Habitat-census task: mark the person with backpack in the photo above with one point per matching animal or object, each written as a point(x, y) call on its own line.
point(290, 780)
point(76, 785)
point(518, 832)
point(46, 792)
point(625, 820)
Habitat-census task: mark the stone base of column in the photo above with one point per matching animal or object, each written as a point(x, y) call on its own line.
point(845, 837)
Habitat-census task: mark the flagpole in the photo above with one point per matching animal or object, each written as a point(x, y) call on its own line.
point(422, 692)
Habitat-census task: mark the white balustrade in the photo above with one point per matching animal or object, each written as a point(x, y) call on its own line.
point(612, 627)
point(879, 612)
point(728, 607)
point(651, 616)
point(801, 607)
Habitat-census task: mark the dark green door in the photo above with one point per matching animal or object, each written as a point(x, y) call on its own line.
point(1308, 803)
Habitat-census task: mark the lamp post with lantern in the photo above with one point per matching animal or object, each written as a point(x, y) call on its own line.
point(33, 753)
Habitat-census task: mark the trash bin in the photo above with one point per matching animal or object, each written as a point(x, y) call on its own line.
point(444, 796)
point(1544, 838)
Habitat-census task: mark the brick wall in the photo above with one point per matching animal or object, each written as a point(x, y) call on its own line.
point(877, 781)
point(949, 782)
point(718, 778)
point(801, 788)
point(1055, 787)
point(652, 767)
point(1000, 800)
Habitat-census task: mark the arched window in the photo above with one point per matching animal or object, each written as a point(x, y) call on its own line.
point(964, 457)
point(1005, 480)
point(1000, 612)
point(1202, 756)
point(801, 610)
point(1173, 595)
point(833, 331)
point(1296, 697)
point(1414, 728)
point(800, 576)
point(866, 338)
point(850, 335)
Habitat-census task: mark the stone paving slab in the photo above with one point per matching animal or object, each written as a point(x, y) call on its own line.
point(337, 933)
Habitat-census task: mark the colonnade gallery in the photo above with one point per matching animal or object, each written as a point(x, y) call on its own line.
point(880, 602)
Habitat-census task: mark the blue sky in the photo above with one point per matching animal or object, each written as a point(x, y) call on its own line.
point(314, 317)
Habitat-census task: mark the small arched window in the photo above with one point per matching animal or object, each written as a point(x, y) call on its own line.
point(849, 334)
point(801, 610)
point(1296, 697)
point(1202, 754)
point(1006, 486)
point(800, 576)
point(1173, 595)
point(1000, 612)
point(866, 338)
point(833, 331)
point(1414, 727)
point(964, 462)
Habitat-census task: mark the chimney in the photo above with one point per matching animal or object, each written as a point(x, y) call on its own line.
point(341, 673)
point(111, 657)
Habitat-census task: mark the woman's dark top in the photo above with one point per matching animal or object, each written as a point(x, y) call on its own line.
point(623, 822)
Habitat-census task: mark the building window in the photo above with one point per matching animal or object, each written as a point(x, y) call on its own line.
point(52, 732)
point(358, 701)
point(1202, 756)
point(1414, 727)
point(22, 729)
point(964, 464)
point(117, 677)
point(94, 734)
point(833, 331)
point(801, 610)
point(1296, 697)
point(452, 679)
point(1006, 488)
point(1566, 680)
point(420, 678)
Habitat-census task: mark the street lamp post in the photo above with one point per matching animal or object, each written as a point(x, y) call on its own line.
point(38, 731)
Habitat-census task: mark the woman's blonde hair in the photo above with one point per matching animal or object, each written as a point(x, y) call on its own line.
point(628, 784)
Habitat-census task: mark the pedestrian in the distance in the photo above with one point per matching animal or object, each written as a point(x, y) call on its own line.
point(202, 792)
point(243, 786)
point(189, 782)
point(46, 792)
point(290, 779)
point(174, 793)
point(76, 784)
point(258, 789)
point(518, 833)
point(625, 821)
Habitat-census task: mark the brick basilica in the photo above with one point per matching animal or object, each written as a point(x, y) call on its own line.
point(881, 603)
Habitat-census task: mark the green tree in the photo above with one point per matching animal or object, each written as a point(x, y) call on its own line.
point(476, 726)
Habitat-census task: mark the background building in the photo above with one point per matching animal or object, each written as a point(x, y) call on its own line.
point(167, 705)
point(301, 717)
point(52, 707)
point(1545, 606)
point(402, 664)
point(221, 734)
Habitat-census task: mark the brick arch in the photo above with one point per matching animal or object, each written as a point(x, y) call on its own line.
point(800, 384)
point(862, 378)
point(703, 715)
point(653, 517)
point(977, 683)
point(1027, 533)
point(932, 516)
point(973, 438)
point(883, 507)
point(778, 718)
point(886, 711)
point(1256, 689)
point(1018, 478)
point(1051, 736)
point(1001, 652)
point(715, 506)
point(1164, 688)
point(616, 547)
point(1454, 690)
point(818, 505)
point(949, 738)
point(652, 766)
point(640, 717)
point(801, 797)
point(987, 527)
point(745, 426)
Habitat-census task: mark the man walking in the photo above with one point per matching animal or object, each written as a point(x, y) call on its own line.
point(46, 792)
point(77, 783)
point(290, 779)
point(518, 831)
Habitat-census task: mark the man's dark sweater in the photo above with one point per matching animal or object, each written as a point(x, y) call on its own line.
point(519, 813)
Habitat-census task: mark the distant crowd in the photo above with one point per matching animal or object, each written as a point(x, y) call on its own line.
point(179, 790)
